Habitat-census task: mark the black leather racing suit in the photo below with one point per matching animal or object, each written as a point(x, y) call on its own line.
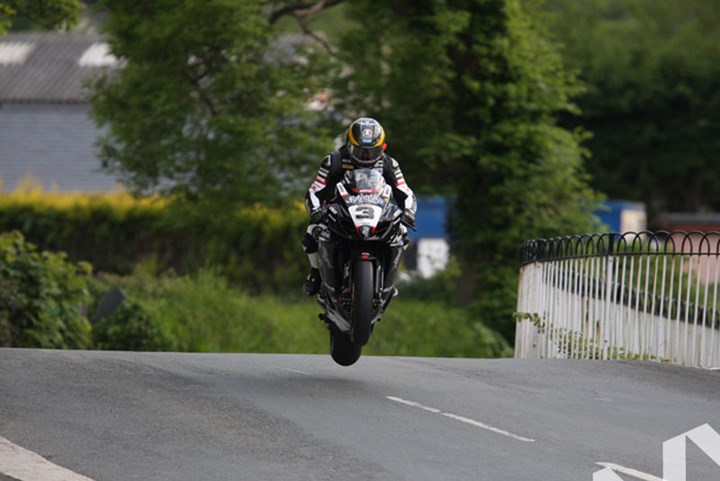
point(332, 169)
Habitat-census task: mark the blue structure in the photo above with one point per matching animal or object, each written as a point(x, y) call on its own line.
point(431, 218)
point(617, 215)
point(622, 215)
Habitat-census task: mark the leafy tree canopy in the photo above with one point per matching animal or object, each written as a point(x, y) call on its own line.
point(46, 13)
point(208, 105)
point(468, 92)
point(652, 71)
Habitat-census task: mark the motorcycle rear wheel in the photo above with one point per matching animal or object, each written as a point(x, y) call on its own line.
point(362, 306)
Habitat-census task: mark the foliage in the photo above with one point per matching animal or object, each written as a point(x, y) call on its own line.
point(468, 92)
point(131, 328)
point(45, 13)
point(203, 313)
point(208, 106)
point(429, 328)
point(652, 71)
point(441, 287)
point(254, 246)
point(42, 297)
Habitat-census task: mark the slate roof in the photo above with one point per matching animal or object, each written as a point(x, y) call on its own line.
point(49, 67)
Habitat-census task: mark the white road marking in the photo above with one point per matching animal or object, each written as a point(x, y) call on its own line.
point(295, 371)
point(25, 465)
point(465, 420)
point(630, 472)
point(413, 404)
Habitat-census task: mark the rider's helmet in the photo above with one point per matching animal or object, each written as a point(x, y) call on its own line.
point(365, 141)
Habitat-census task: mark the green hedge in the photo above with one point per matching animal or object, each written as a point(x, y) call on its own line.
point(48, 302)
point(256, 247)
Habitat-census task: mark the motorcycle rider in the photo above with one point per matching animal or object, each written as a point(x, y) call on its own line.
point(364, 148)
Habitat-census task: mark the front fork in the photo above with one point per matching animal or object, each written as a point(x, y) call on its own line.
point(335, 279)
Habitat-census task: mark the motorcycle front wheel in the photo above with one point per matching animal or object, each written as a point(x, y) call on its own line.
point(343, 350)
point(362, 302)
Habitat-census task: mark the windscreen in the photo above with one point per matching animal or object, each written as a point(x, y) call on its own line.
point(365, 181)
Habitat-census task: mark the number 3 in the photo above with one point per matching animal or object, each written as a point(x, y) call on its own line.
point(365, 213)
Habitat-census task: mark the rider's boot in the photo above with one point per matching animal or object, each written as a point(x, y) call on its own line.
point(312, 283)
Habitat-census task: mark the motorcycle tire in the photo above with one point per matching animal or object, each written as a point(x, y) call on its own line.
point(343, 350)
point(362, 304)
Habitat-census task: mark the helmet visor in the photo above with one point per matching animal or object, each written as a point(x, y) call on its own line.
point(366, 155)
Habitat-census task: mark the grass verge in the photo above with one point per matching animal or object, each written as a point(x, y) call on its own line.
point(204, 314)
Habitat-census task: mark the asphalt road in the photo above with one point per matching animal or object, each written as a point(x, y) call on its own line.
point(195, 417)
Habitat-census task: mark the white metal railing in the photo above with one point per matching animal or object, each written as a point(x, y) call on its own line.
point(621, 296)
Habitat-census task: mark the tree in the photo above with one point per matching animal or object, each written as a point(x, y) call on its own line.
point(468, 91)
point(652, 71)
point(46, 13)
point(207, 106)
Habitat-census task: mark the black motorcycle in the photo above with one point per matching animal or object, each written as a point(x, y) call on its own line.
point(359, 257)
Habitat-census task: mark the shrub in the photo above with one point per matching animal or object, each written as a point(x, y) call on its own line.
point(203, 313)
point(131, 328)
point(433, 329)
point(42, 297)
point(256, 247)
point(441, 287)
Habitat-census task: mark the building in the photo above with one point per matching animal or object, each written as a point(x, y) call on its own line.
point(689, 221)
point(45, 131)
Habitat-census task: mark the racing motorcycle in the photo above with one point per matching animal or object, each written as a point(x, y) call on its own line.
point(359, 257)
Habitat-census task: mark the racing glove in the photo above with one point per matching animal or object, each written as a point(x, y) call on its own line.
point(318, 215)
point(408, 218)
